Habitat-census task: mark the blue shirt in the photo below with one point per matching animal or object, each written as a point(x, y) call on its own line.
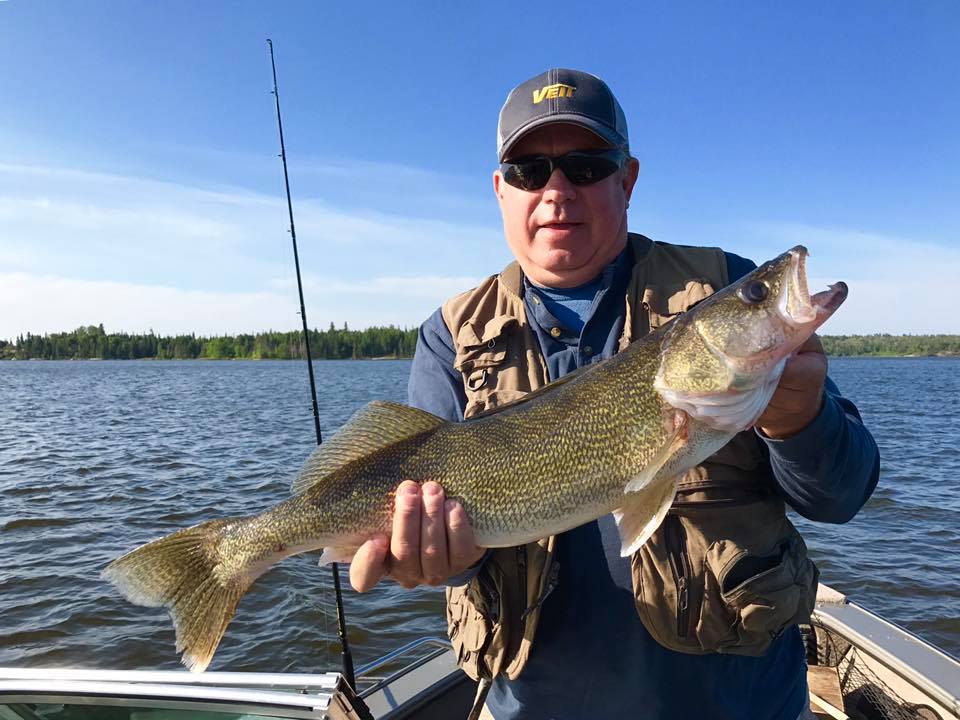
point(592, 652)
point(571, 306)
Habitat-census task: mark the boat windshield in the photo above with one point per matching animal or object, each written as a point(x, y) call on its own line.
point(76, 694)
point(88, 711)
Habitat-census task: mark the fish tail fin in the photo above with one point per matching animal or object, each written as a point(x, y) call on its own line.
point(184, 572)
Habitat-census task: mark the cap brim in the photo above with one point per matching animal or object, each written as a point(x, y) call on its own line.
point(603, 131)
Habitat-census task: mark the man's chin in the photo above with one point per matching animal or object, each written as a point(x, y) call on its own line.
point(562, 268)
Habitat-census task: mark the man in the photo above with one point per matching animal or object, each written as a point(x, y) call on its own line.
point(582, 289)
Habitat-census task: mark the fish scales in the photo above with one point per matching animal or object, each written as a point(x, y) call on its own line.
point(533, 458)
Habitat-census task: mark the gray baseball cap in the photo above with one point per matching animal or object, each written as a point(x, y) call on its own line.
point(561, 96)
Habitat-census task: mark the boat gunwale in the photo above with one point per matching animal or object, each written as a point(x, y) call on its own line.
point(874, 636)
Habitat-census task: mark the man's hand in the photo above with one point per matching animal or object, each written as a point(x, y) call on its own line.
point(431, 541)
point(799, 394)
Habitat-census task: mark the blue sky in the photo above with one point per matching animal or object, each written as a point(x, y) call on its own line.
point(139, 183)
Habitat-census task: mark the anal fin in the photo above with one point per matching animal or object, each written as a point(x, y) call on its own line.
point(338, 554)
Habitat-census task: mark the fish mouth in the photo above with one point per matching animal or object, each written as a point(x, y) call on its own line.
point(829, 300)
point(797, 305)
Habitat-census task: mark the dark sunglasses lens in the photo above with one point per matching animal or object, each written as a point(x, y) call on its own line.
point(581, 168)
point(530, 174)
point(587, 169)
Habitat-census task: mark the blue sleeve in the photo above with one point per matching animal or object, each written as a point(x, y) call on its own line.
point(828, 470)
point(738, 266)
point(434, 385)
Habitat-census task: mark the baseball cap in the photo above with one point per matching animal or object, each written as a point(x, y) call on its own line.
point(560, 95)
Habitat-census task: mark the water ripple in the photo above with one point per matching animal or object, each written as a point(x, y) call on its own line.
point(97, 458)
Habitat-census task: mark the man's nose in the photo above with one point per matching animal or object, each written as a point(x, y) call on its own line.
point(559, 189)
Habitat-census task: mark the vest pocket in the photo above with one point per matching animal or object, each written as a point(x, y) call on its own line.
point(494, 364)
point(729, 580)
point(665, 588)
point(482, 355)
point(492, 619)
point(478, 623)
point(664, 303)
point(750, 599)
point(492, 400)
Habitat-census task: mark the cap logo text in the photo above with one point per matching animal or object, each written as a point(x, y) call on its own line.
point(557, 90)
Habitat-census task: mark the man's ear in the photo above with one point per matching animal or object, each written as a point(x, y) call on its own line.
point(497, 180)
point(631, 170)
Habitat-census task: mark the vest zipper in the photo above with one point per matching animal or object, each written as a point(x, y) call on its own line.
point(551, 585)
point(489, 591)
point(680, 566)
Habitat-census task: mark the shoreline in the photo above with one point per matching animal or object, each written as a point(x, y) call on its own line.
point(374, 343)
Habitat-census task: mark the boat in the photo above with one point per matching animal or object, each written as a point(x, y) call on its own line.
point(860, 666)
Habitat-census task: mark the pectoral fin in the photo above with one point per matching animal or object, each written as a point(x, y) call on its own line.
point(642, 512)
point(675, 441)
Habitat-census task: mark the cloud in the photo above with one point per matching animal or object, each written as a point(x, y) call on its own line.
point(427, 286)
point(100, 226)
point(80, 247)
point(46, 303)
point(75, 216)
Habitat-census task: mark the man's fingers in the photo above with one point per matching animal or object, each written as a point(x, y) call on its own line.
point(799, 394)
point(433, 535)
point(369, 564)
point(808, 365)
point(804, 371)
point(405, 540)
point(460, 539)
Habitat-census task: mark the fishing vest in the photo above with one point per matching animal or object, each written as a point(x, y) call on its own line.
point(726, 572)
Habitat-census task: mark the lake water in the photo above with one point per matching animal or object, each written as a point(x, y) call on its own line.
point(98, 457)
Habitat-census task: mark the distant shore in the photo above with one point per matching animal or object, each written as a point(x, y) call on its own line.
point(92, 342)
point(377, 343)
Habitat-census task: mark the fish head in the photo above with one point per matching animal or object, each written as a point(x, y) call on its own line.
point(722, 360)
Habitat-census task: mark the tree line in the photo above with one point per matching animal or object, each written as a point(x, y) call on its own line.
point(93, 342)
point(894, 345)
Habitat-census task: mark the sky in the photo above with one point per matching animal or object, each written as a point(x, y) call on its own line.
point(140, 184)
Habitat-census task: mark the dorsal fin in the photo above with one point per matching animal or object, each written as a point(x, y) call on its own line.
point(371, 428)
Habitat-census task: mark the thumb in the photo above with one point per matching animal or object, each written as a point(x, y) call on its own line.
point(369, 564)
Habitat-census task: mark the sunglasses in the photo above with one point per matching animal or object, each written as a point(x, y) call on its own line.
point(582, 167)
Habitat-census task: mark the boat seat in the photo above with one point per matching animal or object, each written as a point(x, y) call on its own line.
point(824, 682)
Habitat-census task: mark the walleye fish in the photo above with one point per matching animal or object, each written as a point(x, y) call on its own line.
point(613, 437)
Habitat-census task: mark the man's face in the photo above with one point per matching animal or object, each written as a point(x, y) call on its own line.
point(563, 235)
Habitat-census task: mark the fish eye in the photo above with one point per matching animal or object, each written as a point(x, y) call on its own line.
point(753, 292)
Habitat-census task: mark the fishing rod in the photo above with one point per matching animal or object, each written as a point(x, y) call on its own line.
point(346, 657)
